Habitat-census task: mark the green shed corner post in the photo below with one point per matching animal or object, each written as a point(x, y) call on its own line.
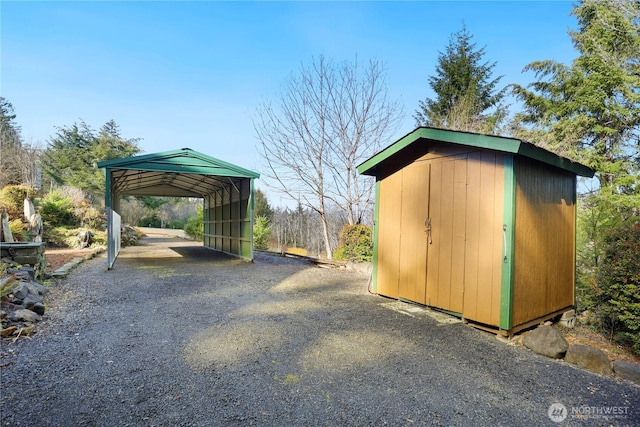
point(374, 269)
point(506, 294)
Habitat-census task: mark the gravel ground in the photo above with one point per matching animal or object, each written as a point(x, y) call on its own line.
point(177, 335)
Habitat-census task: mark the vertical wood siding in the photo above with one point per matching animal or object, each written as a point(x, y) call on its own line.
point(460, 270)
point(389, 213)
point(483, 247)
point(447, 211)
point(544, 269)
point(413, 239)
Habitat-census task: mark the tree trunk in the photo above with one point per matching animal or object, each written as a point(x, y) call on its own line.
point(325, 235)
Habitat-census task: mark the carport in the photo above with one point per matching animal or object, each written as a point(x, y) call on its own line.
point(226, 190)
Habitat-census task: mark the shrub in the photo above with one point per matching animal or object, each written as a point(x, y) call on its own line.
point(91, 218)
point(57, 210)
point(17, 230)
point(356, 244)
point(12, 199)
point(194, 226)
point(261, 232)
point(65, 236)
point(176, 224)
point(77, 196)
point(130, 236)
point(152, 220)
point(615, 297)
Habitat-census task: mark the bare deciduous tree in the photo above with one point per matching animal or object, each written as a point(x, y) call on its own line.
point(19, 159)
point(329, 118)
point(20, 164)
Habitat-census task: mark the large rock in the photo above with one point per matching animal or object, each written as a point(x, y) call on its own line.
point(26, 273)
point(38, 308)
point(21, 291)
point(24, 315)
point(627, 370)
point(591, 358)
point(35, 288)
point(85, 239)
point(547, 341)
point(31, 300)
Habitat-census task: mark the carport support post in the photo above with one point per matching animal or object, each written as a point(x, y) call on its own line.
point(108, 205)
point(251, 218)
point(112, 204)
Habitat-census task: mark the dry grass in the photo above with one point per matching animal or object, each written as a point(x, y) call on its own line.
point(582, 334)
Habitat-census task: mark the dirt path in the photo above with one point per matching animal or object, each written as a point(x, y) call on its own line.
point(177, 335)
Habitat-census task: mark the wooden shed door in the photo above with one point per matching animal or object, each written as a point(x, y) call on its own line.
point(446, 237)
point(413, 232)
point(432, 233)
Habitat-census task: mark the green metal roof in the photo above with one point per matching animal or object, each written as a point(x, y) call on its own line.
point(184, 173)
point(417, 143)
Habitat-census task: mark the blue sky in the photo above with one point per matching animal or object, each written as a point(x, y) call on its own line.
point(191, 74)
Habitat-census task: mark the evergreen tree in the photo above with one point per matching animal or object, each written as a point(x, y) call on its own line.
point(71, 154)
point(465, 93)
point(591, 108)
point(590, 111)
point(261, 205)
point(9, 130)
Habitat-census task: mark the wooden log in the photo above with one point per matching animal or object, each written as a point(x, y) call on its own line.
point(5, 229)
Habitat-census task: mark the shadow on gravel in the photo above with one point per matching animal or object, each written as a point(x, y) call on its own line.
point(177, 334)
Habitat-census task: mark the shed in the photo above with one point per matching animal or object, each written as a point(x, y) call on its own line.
point(479, 226)
point(226, 190)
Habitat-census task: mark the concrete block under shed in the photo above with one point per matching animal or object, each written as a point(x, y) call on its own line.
point(568, 319)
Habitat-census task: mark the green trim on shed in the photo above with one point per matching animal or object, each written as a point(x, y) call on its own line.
point(509, 216)
point(374, 269)
point(503, 279)
point(424, 135)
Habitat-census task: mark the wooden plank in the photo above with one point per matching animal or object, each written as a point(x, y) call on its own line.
point(458, 235)
point(487, 225)
point(435, 215)
point(545, 243)
point(413, 240)
point(444, 241)
point(389, 235)
point(483, 245)
point(472, 243)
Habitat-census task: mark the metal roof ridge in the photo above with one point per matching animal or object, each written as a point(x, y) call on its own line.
point(167, 155)
point(494, 142)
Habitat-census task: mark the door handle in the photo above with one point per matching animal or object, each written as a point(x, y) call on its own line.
point(504, 243)
point(427, 224)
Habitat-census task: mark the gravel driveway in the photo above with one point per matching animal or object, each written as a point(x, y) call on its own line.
point(178, 335)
